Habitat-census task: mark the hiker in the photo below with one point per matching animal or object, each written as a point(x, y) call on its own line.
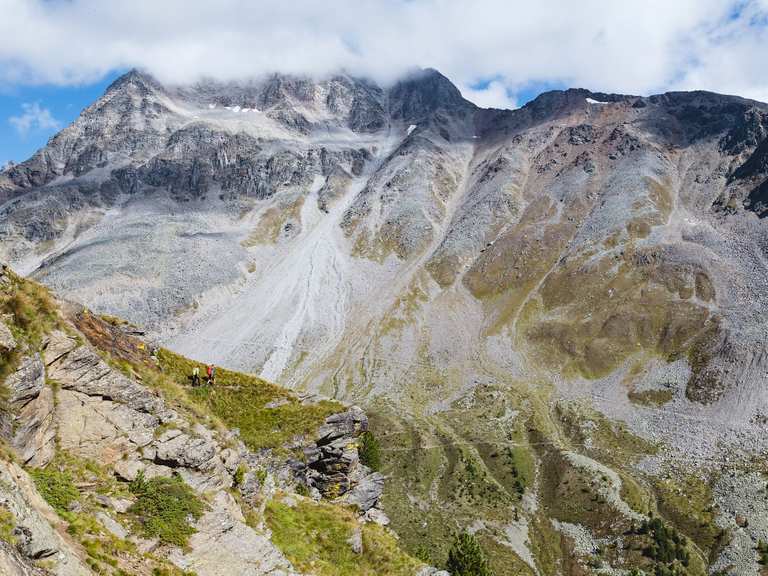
point(213, 375)
point(209, 373)
point(196, 376)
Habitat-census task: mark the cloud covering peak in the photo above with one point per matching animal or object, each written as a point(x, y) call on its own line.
point(490, 48)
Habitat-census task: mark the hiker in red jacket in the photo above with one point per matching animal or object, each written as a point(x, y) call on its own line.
point(209, 371)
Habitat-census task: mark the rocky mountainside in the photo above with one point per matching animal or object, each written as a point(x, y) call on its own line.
point(554, 316)
point(113, 465)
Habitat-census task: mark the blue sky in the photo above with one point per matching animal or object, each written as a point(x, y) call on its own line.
point(57, 56)
point(63, 102)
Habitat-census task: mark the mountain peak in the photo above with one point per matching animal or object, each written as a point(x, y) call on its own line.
point(136, 78)
point(424, 92)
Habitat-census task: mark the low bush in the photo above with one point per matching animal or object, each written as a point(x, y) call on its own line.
point(56, 487)
point(467, 558)
point(667, 548)
point(370, 452)
point(164, 507)
point(762, 552)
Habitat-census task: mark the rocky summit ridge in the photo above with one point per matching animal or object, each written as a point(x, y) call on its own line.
point(553, 316)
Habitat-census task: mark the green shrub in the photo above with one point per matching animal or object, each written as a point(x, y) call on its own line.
point(240, 474)
point(466, 557)
point(370, 452)
point(261, 476)
point(56, 487)
point(163, 508)
point(667, 543)
point(423, 553)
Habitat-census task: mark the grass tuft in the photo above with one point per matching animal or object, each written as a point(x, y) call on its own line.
point(370, 451)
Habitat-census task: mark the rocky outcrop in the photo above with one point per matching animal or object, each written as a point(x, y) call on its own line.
point(332, 464)
point(90, 410)
point(225, 544)
point(37, 533)
point(13, 563)
point(32, 408)
point(108, 417)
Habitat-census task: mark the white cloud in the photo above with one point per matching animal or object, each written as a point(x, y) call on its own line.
point(606, 45)
point(494, 95)
point(33, 117)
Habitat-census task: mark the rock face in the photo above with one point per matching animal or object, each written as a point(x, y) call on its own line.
point(7, 341)
point(33, 406)
point(225, 544)
point(13, 563)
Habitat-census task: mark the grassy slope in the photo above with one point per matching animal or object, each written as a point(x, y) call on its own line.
point(266, 415)
point(30, 313)
point(315, 537)
point(447, 473)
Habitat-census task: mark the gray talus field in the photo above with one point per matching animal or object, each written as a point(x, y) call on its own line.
point(556, 314)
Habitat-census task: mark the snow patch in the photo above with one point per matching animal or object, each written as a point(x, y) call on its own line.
point(411, 128)
point(592, 101)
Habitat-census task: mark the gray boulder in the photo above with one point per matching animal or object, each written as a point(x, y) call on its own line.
point(366, 493)
point(350, 423)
